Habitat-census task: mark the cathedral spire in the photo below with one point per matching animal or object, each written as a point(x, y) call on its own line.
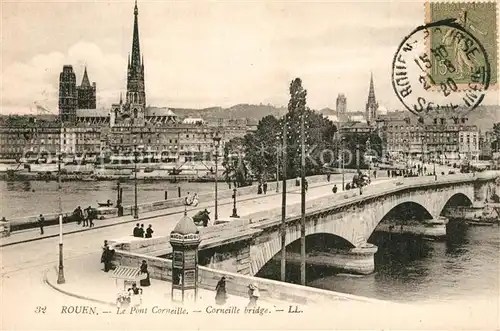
point(136, 50)
point(371, 92)
point(135, 74)
point(85, 79)
point(371, 104)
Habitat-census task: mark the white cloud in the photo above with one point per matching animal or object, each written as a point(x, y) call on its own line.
point(38, 79)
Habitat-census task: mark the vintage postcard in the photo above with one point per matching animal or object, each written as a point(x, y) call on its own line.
point(262, 165)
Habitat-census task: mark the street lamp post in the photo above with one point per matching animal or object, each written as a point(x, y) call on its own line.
point(235, 212)
point(342, 160)
point(216, 140)
point(136, 211)
point(60, 274)
point(303, 204)
point(283, 201)
point(357, 154)
point(277, 166)
point(368, 148)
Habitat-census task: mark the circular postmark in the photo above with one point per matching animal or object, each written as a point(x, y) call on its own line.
point(438, 67)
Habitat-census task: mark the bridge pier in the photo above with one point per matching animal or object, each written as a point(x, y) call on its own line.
point(431, 228)
point(359, 260)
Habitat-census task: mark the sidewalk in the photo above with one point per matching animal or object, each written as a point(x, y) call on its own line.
point(89, 282)
point(245, 204)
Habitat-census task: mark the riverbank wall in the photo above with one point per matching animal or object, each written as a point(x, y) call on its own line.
point(237, 284)
point(20, 223)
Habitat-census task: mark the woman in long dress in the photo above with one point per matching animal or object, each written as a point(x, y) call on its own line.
point(144, 269)
point(253, 294)
point(221, 294)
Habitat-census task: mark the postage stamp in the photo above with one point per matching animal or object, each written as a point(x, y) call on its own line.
point(479, 19)
point(414, 68)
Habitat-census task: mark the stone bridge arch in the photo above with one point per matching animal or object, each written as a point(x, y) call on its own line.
point(365, 215)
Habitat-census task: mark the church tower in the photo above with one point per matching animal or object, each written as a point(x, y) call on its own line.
point(371, 105)
point(136, 95)
point(68, 97)
point(86, 93)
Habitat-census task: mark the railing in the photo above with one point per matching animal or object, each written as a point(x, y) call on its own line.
point(369, 192)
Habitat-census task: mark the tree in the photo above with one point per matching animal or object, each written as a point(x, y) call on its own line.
point(235, 169)
point(262, 146)
point(260, 151)
point(351, 140)
point(496, 136)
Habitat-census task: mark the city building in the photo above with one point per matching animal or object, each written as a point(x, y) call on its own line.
point(486, 139)
point(468, 144)
point(439, 137)
point(83, 128)
point(68, 99)
point(72, 97)
point(341, 105)
point(355, 127)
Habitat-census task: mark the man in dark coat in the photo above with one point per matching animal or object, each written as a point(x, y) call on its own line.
point(140, 232)
point(149, 231)
point(136, 230)
point(41, 222)
point(91, 216)
point(106, 257)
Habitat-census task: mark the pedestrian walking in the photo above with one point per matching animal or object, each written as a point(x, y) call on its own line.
point(306, 185)
point(144, 270)
point(253, 294)
point(91, 217)
point(41, 222)
point(106, 257)
point(220, 291)
point(334, 189)
point(328, 177)
point(375, 174)
point(259, 189)
point(140, 232)
point(149, 231)
point(136, 230)
point(85, 217)
point(264, 187)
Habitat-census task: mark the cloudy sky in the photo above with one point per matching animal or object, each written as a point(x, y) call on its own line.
point(201, 54)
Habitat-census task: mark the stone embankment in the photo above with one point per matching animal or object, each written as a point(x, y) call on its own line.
point(52, 218)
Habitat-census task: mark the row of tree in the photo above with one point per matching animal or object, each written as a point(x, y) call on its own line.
point(258, 155)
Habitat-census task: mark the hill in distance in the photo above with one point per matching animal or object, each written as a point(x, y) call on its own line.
point(240, 111)
point(483, 116)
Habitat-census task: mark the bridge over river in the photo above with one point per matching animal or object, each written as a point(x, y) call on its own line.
point(245, 245)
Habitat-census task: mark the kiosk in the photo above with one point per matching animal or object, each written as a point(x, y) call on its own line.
point(185, 239)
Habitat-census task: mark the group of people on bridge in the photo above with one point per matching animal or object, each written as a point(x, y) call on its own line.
point(140, 232)
point(85, 216)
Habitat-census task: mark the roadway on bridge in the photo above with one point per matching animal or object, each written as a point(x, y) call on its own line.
point(23, 289)
point(45, 251)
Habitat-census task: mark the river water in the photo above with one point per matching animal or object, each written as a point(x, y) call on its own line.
point(19, 199)
point(408, 269)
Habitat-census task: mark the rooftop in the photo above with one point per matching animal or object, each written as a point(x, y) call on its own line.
point(185, 226)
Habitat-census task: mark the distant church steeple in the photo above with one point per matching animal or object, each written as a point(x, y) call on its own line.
point(371, 104)
point(85, 79)
point(135, 76)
